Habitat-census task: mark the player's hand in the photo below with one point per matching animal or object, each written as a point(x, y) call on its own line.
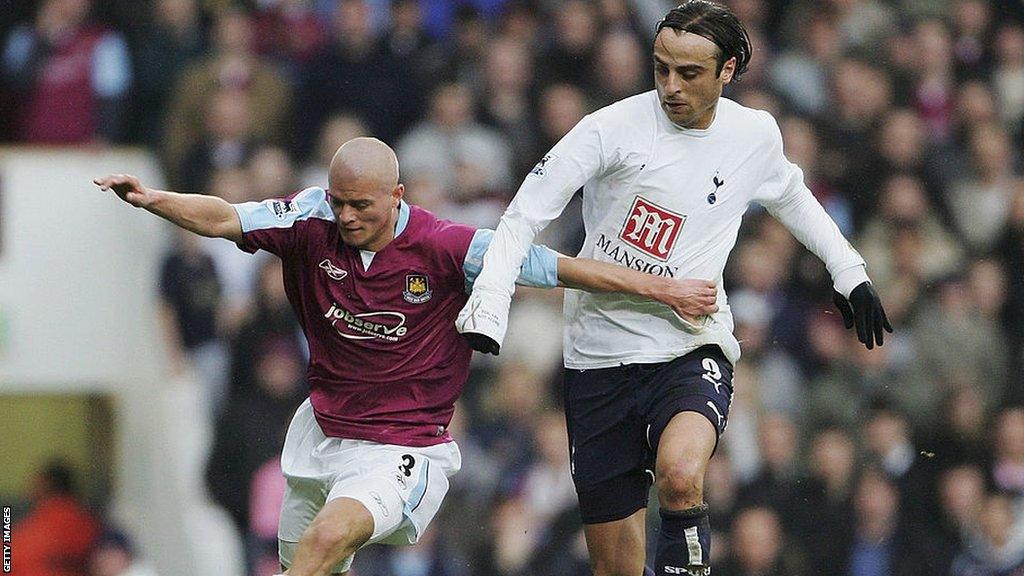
point(691, 299)
point(127, 188)
point(864, 310)
point(483, 321)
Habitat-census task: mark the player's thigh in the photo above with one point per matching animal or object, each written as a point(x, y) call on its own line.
point(402, 488)
point(341, 524)
point(607, 446)
point(346, 519)
point(699, 382)
point(616, 548)
point(684, 450)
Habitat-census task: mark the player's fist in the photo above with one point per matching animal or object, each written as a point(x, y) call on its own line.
point(692, 299)
point(864, 310)
point(127, 188)
point(483, 321)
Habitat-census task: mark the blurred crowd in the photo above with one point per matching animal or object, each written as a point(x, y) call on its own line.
point(907, 118)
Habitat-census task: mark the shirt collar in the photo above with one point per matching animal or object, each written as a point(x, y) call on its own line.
point(403, 218)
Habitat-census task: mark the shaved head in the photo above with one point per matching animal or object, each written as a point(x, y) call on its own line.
point(364, 192)
point(366, 161)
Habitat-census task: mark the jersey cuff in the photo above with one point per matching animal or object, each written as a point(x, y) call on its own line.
point(846, 280)
point(243, 217)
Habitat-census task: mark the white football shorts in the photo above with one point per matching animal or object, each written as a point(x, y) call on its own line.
point(401, 486)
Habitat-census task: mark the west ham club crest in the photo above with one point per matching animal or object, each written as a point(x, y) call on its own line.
point(417, 289)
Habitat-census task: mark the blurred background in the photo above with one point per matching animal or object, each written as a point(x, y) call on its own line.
point(147, 376)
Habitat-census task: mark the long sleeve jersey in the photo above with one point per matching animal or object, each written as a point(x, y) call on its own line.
point(667, 201)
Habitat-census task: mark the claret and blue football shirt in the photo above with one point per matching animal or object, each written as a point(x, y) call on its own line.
point(386, 363)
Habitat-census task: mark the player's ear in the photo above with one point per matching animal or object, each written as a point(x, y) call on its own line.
point(728, 69)
point(397, 194)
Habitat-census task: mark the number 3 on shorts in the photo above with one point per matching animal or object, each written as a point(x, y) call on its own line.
point(407, 463)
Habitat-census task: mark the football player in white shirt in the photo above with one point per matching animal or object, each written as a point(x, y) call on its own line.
point(667, 176)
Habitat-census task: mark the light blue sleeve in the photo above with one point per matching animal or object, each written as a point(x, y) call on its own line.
point(540, 269)
point(284, 212)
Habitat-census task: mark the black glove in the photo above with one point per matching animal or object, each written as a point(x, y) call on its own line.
point(864, 310)
point(482, 343)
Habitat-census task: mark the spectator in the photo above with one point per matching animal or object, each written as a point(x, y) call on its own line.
point(335, 131)
point(236, 271)
point(190, 293)
point(802, 144)
point(800, 74)
point(775, 484)
point(955, 319)
point(251, 430)
point(72, 77)
point(1008, 76)
point(227, 140)
point(233, 67)
point(759, 547)
point(823, 515)
point(723, 501)
point(997, 547)
point(266, 496)
point(505, 101)
point(862, 92)
point(934, 90)
point(779, 384)
point(963, 426)
point(547, 485)
point(57, 535)
point(913, 473)
point(571, 55)
point(962, 494)
point(972, 22)
point(904, 205)
point(619, 68)
point(1007, 467)
point(289, 33)
point(469, 160)
point(981, 201)
point(876, 545)
point(164, 47)
point(270, 318)
point(355, 74)
point(408, 41)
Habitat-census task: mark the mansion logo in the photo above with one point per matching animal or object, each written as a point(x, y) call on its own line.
point(388, 326)
point(651, 229)
point(622, 254)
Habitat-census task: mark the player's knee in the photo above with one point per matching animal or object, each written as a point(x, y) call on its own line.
point(681, 484)
point(332, 540)
point(616, 567)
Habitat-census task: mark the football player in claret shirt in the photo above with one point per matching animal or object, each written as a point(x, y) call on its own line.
point(376, 284)
point(667, 176)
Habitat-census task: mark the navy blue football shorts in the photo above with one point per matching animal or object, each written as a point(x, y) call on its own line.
point(615, 417)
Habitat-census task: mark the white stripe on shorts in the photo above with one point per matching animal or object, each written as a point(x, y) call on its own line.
point(693, 546)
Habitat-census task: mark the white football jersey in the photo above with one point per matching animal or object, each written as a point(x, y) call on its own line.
point(667, 201)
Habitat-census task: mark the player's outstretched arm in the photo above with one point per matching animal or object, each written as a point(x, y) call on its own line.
point(205, 215)
point(690, 298)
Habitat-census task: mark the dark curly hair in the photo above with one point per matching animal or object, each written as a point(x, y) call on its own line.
point(716, 23)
